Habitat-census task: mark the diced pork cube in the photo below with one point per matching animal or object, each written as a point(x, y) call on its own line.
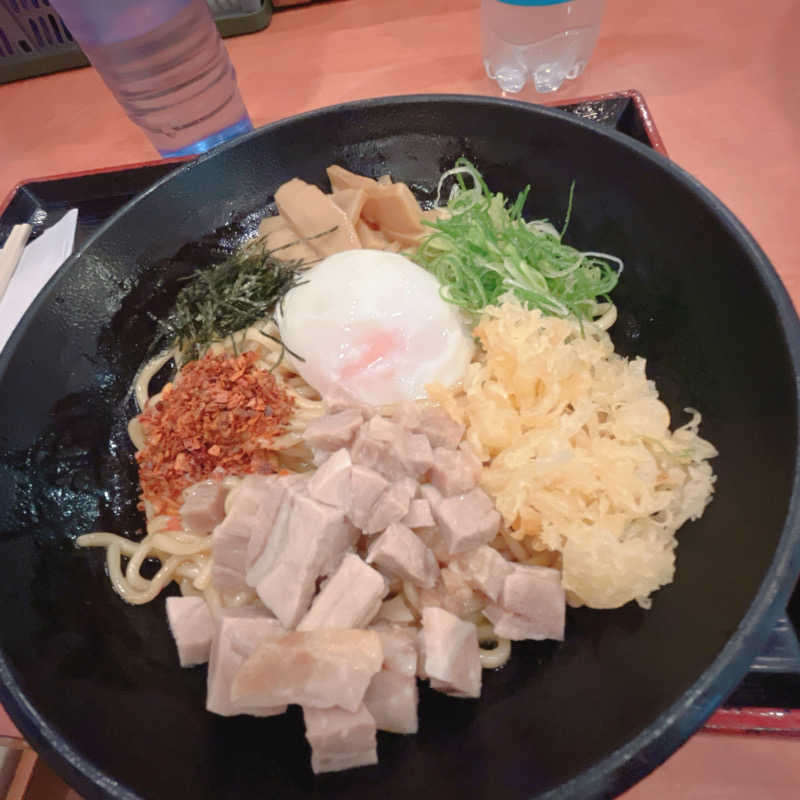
point(230, 551)
point(335, 556)
point(400, 552)
point(532, 604)
point(295, 482)
point(391, 506)
point(334, 430)
point(336, 398)
point(247, 518)
point(238, 634)
point(203, 506)
point(421, 655)
point(466, 521)
point(452, 657)
point(192, 628)
point(383, 429)
point(273, 495)
point(407, 414)
point(529, 587)
point(366, 486)
point(319, 457)
point(416, 454)
point(441, 430)
point(430, 534)
point(399, 645)
point(392, 700)
point(228, 581)
point(419, 515)
point(319, 669)
point(340, 739)
point(509, 625)
point(314, 535)
point(270, 545)
point(374, 448)
point(395, 610)
point(250, 501)
point(390, 449)
point(430, 493)
point(432, 539)
point(484, 568)
point(350, 599)
point(466, 449)
point(331, 482)
point(432, 421)
point(453, 594)
point(453, 472)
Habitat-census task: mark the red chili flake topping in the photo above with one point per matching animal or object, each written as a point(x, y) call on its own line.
point(217, 419)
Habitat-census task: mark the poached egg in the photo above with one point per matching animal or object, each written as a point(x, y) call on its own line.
point(374, 324)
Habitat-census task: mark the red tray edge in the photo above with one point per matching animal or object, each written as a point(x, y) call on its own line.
point(84, 172)
point(780, 721)
point(653, 136)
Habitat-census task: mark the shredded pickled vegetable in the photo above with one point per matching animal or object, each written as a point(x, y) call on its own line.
point(579, 456)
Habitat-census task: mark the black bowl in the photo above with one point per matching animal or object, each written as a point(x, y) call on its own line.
point(94, 684)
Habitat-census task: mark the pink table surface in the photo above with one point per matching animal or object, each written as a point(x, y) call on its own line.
point(720, 78)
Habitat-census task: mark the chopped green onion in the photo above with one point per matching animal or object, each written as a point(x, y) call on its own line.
point(485, 249)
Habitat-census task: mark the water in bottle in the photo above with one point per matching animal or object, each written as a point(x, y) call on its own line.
point(545, 40)
point(167, 66)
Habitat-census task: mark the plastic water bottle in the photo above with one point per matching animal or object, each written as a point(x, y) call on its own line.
point(546, 40)
point(166, 64)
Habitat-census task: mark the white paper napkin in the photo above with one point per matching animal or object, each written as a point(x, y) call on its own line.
point(41, 258)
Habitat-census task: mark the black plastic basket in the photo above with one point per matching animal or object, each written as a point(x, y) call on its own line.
point(35, 41)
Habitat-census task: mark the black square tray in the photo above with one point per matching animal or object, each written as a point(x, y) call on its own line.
point(774, 678)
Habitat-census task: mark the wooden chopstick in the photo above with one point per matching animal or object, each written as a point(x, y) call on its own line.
point(11, 253)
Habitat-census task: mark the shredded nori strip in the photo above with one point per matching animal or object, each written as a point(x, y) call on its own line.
point(229, 296)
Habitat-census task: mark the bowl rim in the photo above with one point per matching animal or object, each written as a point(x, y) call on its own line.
point(624, 766)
